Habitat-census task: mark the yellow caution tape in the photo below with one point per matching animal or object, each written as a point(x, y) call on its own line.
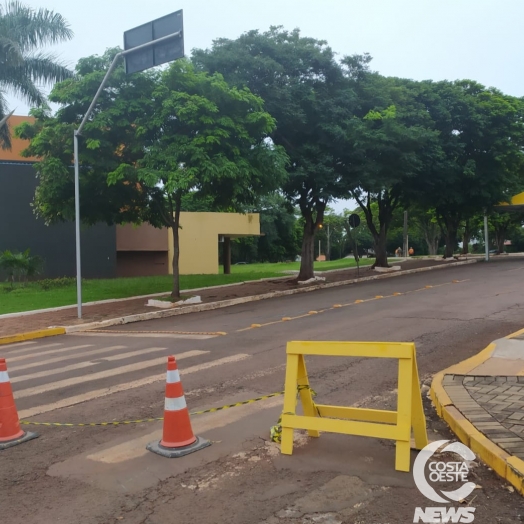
point(156, 419)
point(275, 432)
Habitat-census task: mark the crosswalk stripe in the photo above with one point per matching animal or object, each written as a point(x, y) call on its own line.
point(84, 397)
point(81, 365)
point(74, 381)
point(62, 358)
point(17, 345)
point(133, 334)
point(31, 348)
point(52, 352)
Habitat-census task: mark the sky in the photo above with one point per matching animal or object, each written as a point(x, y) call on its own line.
point(419, 39)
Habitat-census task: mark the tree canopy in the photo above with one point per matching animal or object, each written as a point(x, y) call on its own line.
point(304, 89)
point(154, 138)
point(24, 69)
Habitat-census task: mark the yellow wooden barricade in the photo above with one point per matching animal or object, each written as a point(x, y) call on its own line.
point(394, 425)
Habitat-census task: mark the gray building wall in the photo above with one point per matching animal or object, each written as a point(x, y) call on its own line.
point(20, 230)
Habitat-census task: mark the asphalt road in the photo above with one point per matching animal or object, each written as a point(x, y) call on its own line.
point(104, 475)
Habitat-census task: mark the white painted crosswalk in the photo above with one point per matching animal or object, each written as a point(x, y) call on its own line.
point(67, 375)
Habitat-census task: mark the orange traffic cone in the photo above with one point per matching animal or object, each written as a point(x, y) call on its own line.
point(10, 432)
point(178, 438)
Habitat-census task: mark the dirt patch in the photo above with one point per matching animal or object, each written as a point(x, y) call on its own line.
point(68, 317)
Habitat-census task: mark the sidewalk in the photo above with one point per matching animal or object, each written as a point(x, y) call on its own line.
point(482, 400)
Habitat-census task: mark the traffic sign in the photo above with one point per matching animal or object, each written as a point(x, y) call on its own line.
point(164, 52)
point(354, 220)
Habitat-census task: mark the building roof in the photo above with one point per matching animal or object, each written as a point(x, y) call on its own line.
point(516, 204)
point(17, 145)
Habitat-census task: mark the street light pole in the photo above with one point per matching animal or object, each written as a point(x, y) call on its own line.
point(77, 133)
point(486, 239)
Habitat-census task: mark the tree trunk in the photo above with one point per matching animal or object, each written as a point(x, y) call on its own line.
point(432, 245)
point(451, 240)
point(381, 255)
point(465, 243)
point(175, 293)
point(308, 250)
point(500, 236)
point(466, 238)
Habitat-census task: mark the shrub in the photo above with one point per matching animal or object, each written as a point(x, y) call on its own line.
point(53, 283)
point(20, 266)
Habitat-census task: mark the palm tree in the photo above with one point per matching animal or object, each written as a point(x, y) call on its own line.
point(23, 68)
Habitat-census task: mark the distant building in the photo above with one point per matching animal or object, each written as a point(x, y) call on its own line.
point(108, 251)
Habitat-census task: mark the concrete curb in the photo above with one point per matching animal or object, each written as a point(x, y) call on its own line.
point(508, 467)
point(30, 335)
point(236, 301)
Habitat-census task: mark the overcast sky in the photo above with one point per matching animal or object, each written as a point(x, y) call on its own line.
point(418, 39)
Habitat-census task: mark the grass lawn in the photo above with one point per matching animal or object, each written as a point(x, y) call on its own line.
point(32, 296)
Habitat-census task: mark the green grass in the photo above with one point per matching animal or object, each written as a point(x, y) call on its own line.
point(32, 296)
point(342, 263)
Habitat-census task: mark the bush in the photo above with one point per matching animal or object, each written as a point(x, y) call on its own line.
point(20, 266)
point(54, 283)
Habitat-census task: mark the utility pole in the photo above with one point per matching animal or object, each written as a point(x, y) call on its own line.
point(150, 61)
point(328, 251)
point(486, 239)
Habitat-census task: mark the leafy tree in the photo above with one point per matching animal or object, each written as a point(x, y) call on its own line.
point(426, 225)
point(501, 227)
point(23, 68)
point(277, 222)
point(481, 163)
point(155, 138)
point(202, 136)
point(304, 89)
point(333, 234)
point(383, 151)
point(109, 139)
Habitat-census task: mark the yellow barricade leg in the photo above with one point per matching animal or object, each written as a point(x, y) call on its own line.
point(305, 394)
point(289, 402)
point(417, 411)
point(405, 388)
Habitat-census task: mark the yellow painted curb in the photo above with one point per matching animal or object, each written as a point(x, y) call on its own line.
point(459, 424)
point(515, 473)
point(516, 334)
point(507, 466)
point(490, 453)
point(30, 335)
point(464, 367)
point(438, 394)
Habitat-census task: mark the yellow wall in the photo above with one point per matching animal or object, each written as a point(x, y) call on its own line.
point(199, 238)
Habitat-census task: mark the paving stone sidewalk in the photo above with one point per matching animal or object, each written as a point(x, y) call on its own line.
point(489, 393)
point(494, 405)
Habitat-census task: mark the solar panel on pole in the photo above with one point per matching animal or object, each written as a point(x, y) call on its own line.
point(164, 52)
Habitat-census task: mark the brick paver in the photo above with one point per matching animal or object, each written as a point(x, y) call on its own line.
point(494, 405)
